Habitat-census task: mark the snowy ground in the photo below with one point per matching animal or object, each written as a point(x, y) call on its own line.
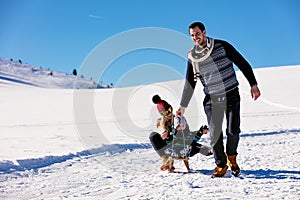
point(50, 147)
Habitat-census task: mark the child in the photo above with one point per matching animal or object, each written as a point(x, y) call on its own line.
point(175, 140)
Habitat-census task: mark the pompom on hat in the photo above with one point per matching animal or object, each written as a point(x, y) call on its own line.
point(163, 107)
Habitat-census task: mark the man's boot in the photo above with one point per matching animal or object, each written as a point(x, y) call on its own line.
point(235, 170)
point(219, 171)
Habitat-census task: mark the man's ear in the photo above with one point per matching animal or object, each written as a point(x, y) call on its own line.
point(204, 32)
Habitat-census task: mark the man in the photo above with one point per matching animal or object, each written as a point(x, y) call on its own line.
point(212, 61)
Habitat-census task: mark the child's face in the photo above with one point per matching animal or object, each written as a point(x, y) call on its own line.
point(169, 116)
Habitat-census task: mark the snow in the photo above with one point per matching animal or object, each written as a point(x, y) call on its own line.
point(93, 144)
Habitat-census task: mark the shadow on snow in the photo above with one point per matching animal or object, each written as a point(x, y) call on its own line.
point(270, 133)
point(261, 174)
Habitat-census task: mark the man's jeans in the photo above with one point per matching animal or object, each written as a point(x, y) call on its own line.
point(215, 107)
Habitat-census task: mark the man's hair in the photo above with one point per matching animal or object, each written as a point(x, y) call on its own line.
point(197, 24)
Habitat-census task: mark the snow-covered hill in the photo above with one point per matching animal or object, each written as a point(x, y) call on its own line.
point(17, 72)
point(93, 144)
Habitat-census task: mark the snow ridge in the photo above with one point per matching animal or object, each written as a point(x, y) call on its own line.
point(37, 163)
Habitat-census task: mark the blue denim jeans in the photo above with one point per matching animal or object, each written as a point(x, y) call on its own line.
point(215, 108)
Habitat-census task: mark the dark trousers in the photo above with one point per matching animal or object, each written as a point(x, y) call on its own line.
point(158, 143)
point(215, 107)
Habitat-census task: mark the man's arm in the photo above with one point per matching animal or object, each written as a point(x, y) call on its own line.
point(244, 66)
point(240, 62)
point(189, 86)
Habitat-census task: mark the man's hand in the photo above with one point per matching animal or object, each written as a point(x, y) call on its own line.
point(255, 93)
point(180, 111)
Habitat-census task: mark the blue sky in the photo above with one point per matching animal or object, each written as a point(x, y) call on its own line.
point(61, 34)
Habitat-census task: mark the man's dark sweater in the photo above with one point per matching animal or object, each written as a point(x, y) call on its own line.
point(216, 72)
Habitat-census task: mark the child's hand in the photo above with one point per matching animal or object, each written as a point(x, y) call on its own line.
point(205, 131)
point(180, 127)
point(164, 135)
point(158, 122)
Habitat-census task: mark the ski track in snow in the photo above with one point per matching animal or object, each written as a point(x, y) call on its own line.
point(131, 171)
point(285, 107)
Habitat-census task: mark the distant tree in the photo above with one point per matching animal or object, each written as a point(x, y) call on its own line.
point(51, 73)
point(74, 72)
point(20, 61)
point(33, 70)
point(11, 59)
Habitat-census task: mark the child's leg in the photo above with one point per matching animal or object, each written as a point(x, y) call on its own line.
point(199, 148)
point(158, 143)
point(186, 163)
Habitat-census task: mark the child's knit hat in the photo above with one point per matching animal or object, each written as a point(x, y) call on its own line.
point(163, 107)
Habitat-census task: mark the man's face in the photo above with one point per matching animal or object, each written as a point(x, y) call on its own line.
point(198, 36)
